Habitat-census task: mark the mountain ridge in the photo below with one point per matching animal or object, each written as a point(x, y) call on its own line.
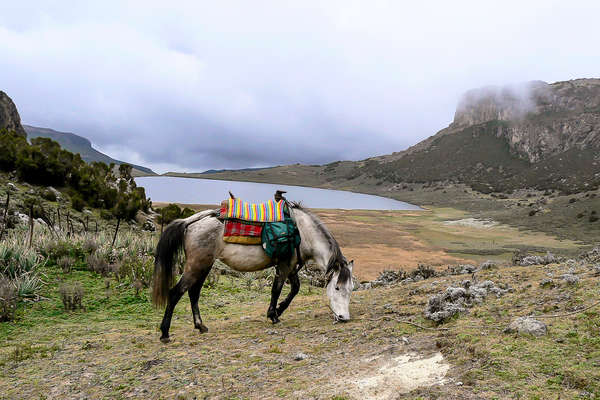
point(79, 144)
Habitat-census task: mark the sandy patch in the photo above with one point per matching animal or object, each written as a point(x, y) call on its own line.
point(400, 374)
point(370, 260)
point(473, 222)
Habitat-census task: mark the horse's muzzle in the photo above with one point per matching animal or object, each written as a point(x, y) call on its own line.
point(340, 318)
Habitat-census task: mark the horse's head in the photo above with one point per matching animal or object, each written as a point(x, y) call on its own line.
point(339, 288)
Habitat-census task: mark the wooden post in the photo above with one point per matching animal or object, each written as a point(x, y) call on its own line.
point(162, 220)
point(58, 217)
point(87, 222)
point(116, 230)
point(30, 224)
point(4, 222)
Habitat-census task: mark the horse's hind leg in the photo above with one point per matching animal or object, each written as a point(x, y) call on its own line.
point(295, 287)
point(194, 294)
point(174, 295)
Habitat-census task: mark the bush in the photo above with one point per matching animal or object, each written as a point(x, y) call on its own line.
point(90, 246)
point(66, 264)
point(8, 300)
point(48, 194)
point(71, 296)
point(77, 202)
point(136, 269)
point(98, 265)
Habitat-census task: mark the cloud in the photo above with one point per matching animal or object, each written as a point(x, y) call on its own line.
point(199, 85)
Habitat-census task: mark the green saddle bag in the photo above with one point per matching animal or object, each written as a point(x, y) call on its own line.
point(280, 239)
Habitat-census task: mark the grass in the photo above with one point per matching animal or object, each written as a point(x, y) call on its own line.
point(109, 348)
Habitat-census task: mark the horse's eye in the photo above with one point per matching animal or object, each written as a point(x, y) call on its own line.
point(337, 288)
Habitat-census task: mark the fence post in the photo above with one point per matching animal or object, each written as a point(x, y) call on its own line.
point(5, 215)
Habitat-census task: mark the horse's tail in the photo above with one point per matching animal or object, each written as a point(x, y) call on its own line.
point(170, 241)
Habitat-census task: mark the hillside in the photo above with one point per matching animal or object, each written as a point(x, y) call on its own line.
point(78, 144)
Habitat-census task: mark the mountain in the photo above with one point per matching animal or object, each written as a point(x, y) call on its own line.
point(78, 144)
point(532, 135)
point(538, 135)
point(9, 116)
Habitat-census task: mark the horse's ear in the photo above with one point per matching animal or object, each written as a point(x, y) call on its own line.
point(351, 265)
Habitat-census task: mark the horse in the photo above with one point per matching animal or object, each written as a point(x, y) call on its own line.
point(201, 236)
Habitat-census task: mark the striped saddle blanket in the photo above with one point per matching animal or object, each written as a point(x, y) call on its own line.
point(244, 221)
point(271, 211)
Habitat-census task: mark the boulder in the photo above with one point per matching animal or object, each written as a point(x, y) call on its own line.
point(489, 264)
point(149, 226)
point(571, 279)
point(527, 326)
point(458, 299)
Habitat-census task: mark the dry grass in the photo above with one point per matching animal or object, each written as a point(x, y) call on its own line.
point(111, 350)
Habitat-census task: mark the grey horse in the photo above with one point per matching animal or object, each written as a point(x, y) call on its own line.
point(201, 236)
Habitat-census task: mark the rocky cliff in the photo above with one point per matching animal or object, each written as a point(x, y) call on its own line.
point(534, 134)
point(543, 119)
point(9, 116)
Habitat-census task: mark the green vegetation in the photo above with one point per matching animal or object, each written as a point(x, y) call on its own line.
point(172, 212)
point(82, 146)
point(44, 162)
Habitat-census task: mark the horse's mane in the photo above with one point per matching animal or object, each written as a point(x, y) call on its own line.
point(337, 261)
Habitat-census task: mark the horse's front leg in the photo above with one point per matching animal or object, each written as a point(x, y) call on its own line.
point(295, 287)
point(275, 292)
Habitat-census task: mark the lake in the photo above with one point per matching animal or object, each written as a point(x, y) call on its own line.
point(208, 191)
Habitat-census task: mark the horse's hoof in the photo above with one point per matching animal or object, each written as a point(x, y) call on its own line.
point(202, 328)
point(165, 339)
point(275, 320)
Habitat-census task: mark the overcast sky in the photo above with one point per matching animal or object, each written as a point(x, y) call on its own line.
point(190, 86)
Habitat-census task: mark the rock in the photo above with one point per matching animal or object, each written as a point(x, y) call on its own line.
point(458, 299)
point(527, 326)
point(591, 256)
point(24, 218)
point(300, 356)
point(149, 226)
point(12, 187)
point(547, 283)
point(386, 278)
point(489, 264)
point(570, 279)
point(467, 268)
point(9, 116)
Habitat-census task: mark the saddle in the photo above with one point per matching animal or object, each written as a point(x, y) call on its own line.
point(269, 224)
point(244, 222)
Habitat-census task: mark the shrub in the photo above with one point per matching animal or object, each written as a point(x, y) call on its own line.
point(97, 264)
point(71, 296)
point(77, 202)
point(136, 269)
point(66, 264)
point(8, 300)
point(48, 194)
point(106, 215)
point(90, 246)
